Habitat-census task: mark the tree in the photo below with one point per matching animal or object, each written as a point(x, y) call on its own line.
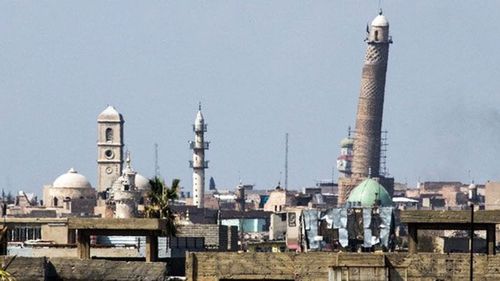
point(10, 198)
point(160, 199)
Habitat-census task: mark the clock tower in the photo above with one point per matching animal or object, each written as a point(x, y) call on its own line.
point(109, 150)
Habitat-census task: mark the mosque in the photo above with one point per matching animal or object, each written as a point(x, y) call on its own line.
point(120, 192)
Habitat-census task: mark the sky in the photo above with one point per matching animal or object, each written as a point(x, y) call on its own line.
point(261, 69)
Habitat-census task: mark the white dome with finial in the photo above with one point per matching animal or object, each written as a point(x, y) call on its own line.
point(380, 20)
point(71, 179)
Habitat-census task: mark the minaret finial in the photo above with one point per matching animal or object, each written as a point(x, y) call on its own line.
point(199, 106)
point(370, 172)
point(380, 11)
point(128, 159)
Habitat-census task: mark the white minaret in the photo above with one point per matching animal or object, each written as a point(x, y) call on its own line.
point(198, 163)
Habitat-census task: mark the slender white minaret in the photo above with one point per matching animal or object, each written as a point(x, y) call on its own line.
point(198, 163)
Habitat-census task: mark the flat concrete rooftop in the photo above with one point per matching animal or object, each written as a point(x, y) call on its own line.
point(118, 224)
point(449, 217)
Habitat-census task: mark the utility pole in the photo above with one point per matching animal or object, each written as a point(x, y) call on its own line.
point(471, 263)
point(286, 161)
point(157, 167)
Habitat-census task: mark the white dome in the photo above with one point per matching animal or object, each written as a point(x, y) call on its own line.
point(110, 114)
point(142, 183)
point(72, 179)
point(380, 20)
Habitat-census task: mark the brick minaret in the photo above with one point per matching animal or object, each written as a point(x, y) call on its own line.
point(366, 156)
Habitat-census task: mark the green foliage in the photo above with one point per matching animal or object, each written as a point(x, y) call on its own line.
point(5, 276)
point(160, 199)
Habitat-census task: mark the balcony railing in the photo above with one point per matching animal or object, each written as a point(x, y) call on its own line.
point(203, 128)
point(197, 145)
point(203, 165)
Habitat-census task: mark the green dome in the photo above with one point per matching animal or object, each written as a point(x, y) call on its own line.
point(367, 192)
point(347, 142)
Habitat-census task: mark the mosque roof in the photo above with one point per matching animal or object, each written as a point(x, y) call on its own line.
point(71, 179)
point(110, 114)
point(368, 192)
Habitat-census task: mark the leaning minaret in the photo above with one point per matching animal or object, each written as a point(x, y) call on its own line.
point(366, 147)
point(366, 158)
point(198, 163)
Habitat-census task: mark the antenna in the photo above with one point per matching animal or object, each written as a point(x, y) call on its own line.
point(157, 167)
point(286, 161)
point(333, 178)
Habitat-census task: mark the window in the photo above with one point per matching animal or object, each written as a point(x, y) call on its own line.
point(108, 153)
point(55, 201)
point(109, 135)
point(376, 35)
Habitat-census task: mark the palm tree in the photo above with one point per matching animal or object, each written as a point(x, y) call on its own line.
point(160, 199)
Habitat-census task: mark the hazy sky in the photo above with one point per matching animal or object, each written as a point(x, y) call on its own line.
point(261, 69)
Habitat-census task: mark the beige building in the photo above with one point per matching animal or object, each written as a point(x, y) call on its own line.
point(279, 199)
point(70, 194)
point(492, 196)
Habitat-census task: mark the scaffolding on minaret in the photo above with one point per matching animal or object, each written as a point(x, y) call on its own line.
point(383, 154)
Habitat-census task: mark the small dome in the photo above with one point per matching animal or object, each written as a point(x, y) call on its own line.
point(368, 192)
point(110, 114)
point(347, 142)
point(72, 179)
point(380, 20)
point(142, 183)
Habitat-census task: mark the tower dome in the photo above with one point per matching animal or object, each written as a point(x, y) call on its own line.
point(380, 20)
point(71, 179)
point(346, 142)
point(110, 114)
point(369, 193)
point(142, 183)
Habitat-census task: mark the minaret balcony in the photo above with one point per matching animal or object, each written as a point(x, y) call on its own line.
point(202, 165)
point(199, 145)
point(200, 128)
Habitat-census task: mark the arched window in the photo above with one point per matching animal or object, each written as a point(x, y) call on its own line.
point(55, 201)
point(376, 35)
point(109, 135)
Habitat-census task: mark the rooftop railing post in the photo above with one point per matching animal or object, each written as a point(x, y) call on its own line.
point(471, 242)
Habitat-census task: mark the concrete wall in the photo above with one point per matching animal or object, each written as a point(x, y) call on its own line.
point(76, 269)
point(339, 266)
point(57, 232)
point(216, 236)
point(71, 252)
point(33, 269)
point(492, 196)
